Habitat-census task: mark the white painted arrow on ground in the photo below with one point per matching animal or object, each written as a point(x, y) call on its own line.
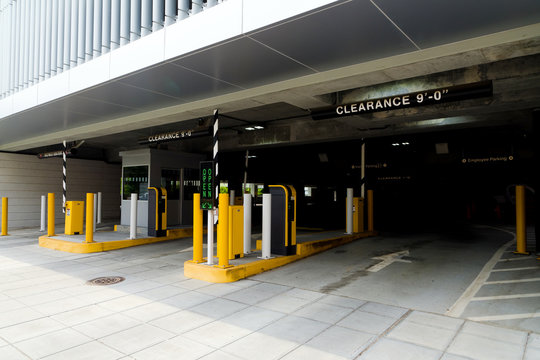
point(388, 259)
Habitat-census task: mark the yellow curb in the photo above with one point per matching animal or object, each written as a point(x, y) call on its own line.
point(85, 248)
point(238, 272)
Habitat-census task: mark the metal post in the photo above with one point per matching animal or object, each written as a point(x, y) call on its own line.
point(50, 214)
point(99, 198)
point(89, 217)
point(210, 238)
point(363, 171)
point(133, 219)
point(521, 231)
point(95, 211)
point(370, 210)
point(64, 172)
point(223, 231)
point(266, 226)
point(43, 212)
point(197, 229)
point(215, 148)
point(4, 216)
point(349, 211)
point(247, 223)
point(232, 195)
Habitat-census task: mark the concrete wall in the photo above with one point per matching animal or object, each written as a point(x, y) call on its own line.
point(24, 178)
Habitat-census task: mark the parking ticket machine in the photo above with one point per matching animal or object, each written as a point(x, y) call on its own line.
point(157, 211)
point(283, 233)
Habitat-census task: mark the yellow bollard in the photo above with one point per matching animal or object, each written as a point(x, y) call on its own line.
point(521, 235)
point(223, 231)
point(371, 226)
point(50, 214)
point(4, 216)
point(89, 217)
point(197, 229)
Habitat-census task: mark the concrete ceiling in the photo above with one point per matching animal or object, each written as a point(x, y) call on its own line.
point(277, 74)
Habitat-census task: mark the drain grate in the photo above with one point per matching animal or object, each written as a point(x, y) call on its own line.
point(105, 280)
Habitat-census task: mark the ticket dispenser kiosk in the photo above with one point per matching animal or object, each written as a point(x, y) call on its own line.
point(283, 228)
point(157, 211)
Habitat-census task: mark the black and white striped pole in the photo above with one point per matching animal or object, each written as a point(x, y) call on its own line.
point(64, 187)
point(215, 159)
point(212, 213)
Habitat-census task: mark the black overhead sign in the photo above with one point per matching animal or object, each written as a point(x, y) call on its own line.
point(207, 185)
point(420, 98)
point(174, 136)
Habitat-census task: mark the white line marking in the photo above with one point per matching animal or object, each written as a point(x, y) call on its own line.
point(517, 269)
point(516, 259)
point(388, 259)
point(510, 281)
point(505, 297)
point(459, 306)
point(504, 317)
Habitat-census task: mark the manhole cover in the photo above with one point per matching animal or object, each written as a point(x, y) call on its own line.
point(105, 280)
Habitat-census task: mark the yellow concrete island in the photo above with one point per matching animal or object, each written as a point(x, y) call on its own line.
point(202, 271)
point(90, 242)
point(249, 264)
point(105, 241)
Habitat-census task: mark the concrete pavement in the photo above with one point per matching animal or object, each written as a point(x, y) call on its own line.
point(48, 311)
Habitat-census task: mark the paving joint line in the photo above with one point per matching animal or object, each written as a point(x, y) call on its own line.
point(385, 332)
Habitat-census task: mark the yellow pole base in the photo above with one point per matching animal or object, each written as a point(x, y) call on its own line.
point(522, 253)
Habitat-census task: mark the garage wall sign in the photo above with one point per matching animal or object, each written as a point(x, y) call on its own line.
point(419, 98)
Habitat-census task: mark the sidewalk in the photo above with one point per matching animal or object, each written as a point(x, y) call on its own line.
point(48, 311)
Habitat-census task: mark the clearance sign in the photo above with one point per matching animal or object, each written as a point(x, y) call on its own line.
point(420, 98)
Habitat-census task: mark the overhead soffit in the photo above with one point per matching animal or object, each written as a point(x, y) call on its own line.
point(344, 34)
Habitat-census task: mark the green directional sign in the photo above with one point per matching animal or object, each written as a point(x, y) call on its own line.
point(207, 185)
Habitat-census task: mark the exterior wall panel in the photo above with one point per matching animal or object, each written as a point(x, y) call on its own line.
point(25, 178)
